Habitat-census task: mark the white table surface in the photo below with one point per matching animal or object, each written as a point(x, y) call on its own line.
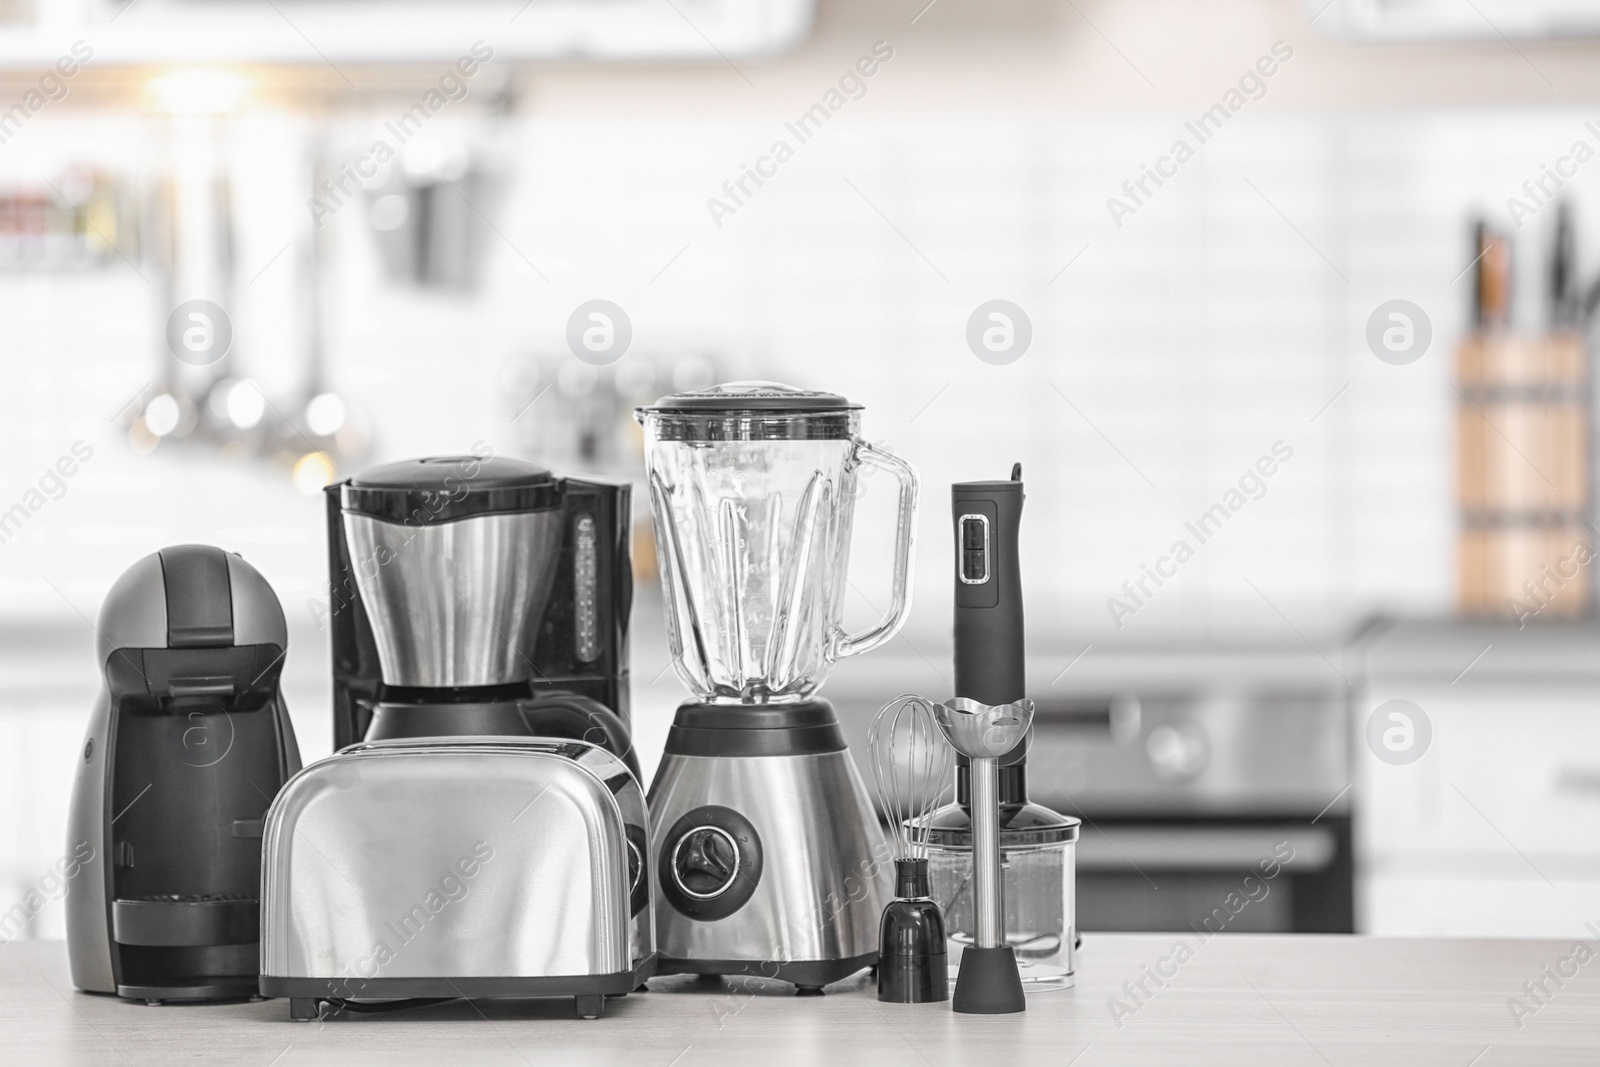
point(1241, 999)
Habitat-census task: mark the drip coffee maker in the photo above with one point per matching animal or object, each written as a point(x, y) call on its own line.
point(768, 851)
point(479, 595)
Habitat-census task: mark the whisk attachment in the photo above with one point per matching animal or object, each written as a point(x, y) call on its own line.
point(913, 768)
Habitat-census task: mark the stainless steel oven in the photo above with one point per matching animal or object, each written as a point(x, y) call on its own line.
point(1214, 787)
point(1221, 875)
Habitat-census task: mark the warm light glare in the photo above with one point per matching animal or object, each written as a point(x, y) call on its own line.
point(246, 405)
point(312, 472)
point(161, 414)
point(325, 414)
point(217, 399)
point(140, 439)
point(195, 92)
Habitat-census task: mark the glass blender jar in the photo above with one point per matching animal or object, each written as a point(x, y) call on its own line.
point(752, 486)
point(767, 848)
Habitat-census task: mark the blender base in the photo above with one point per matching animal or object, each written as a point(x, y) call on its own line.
point(767, 849)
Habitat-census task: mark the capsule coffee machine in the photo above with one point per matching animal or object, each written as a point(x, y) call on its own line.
point(766, 846)
point(186, 748)
point(478, 595)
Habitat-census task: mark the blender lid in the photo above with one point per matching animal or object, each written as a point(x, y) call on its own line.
point(1020, 827)
point(447, 488)
point(750, 411)
point(751, 396)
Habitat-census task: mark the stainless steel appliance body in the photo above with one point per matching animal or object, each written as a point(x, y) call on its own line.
point(797, 893)
point(476, 595)
point(449, 867)
point(185, 748)
point(770, 858)
point(455, 602)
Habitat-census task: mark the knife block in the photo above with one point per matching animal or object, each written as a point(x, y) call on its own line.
point(1523, 482)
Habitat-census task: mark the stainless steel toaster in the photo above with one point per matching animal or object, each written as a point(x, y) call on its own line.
point(452, 867)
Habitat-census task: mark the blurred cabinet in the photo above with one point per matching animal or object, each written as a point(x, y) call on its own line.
point(1495, 830)
point(34, 32)
point(47, 686)
point(1448, 20)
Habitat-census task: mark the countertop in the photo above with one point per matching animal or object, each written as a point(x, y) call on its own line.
point(1466, 651)
point(1269, 1000)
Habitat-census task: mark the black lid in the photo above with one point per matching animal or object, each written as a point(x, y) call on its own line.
point(960, 490)
point(750, 411)
point(1013, 777)
point(910, 879)
point(447, 488)
point(752, 396)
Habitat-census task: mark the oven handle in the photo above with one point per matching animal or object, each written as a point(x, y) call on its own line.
point(1127, 848)
point(1117, 717)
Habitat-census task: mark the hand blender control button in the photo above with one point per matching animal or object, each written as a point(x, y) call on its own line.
point(705, 862)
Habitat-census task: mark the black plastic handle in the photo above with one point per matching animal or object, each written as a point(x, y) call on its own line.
point(987, 516)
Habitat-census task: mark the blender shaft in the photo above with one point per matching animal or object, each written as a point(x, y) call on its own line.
point(986, 852)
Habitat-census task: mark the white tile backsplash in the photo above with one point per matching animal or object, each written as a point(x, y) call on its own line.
point(1219, 318)
point(1174, 351)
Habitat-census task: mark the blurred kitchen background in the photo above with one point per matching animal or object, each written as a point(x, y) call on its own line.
point(380, 303)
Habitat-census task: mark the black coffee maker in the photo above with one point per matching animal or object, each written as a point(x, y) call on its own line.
point(479, 595)
point(186, 748)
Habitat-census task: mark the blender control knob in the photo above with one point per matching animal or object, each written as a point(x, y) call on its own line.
point(710, 863)
point(705, 862)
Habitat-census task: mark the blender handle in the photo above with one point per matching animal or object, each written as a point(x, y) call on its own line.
point(847, 644)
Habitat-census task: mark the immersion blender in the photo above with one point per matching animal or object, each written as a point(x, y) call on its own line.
point(989, 717)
